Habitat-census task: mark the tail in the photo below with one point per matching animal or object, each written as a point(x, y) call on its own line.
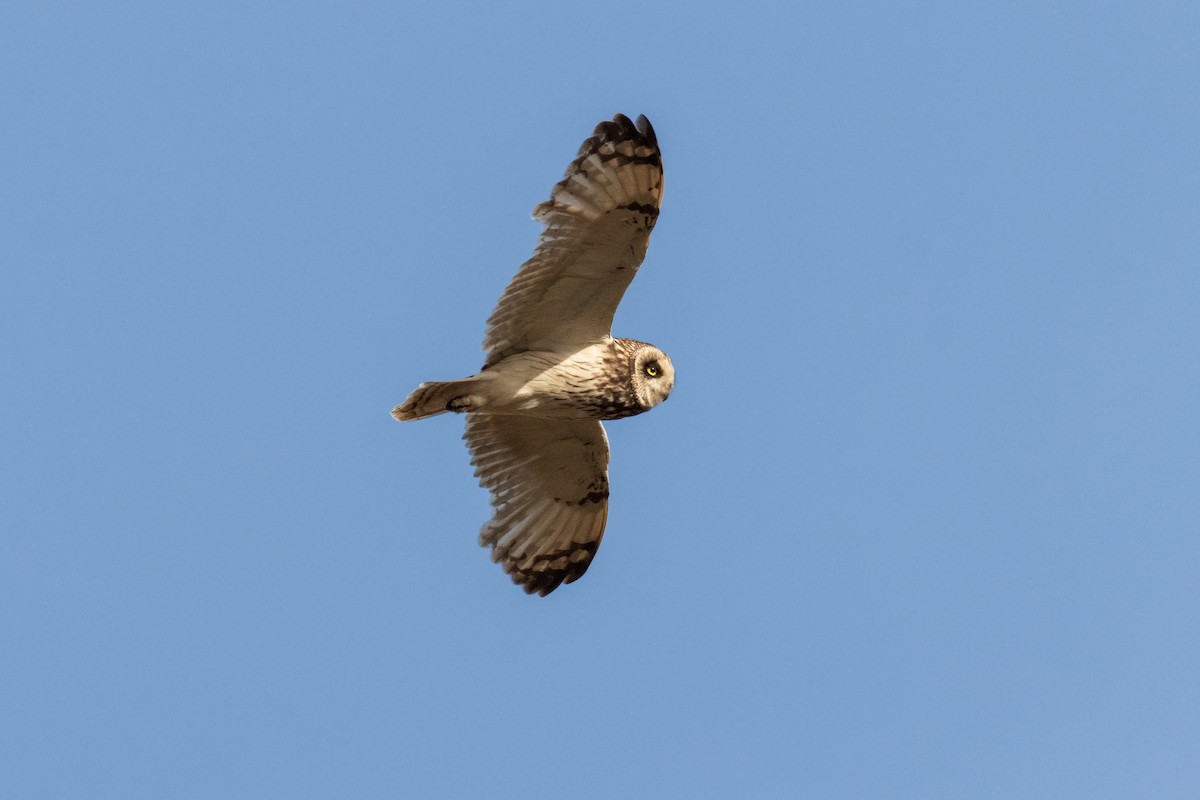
point(438, 397)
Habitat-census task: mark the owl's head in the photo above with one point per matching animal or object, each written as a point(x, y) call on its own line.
point(653, 376)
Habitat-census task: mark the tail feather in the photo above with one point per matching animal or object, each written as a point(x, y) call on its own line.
point(437, 397)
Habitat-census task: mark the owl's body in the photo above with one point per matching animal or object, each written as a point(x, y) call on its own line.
point(553, 369)
point(601, 381)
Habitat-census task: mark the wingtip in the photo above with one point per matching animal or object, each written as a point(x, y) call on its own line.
point(620, 126)
point(623, 121)
point(646, 129)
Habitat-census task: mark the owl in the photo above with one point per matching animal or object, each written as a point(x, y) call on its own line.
point(553, 370)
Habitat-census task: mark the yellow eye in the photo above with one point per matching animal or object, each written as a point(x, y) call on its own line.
point(652, 370)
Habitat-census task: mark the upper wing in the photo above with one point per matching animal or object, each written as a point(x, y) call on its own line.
point(549, 484)
point(598, 221)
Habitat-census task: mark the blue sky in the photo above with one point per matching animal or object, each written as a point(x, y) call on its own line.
point(919, 521)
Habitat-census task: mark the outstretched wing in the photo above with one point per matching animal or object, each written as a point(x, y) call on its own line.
point(549, 484)
point(598, 221)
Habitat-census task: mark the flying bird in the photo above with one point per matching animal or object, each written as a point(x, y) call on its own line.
point(553, 370)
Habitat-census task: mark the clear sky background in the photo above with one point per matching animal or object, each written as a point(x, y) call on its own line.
point(920, 520)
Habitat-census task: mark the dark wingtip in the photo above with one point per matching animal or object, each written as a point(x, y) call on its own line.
point(619, 128)
point(623, 122)
point(646, 129)
point(541, 585)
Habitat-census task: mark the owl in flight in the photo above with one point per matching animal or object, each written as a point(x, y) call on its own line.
point(553, 369)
